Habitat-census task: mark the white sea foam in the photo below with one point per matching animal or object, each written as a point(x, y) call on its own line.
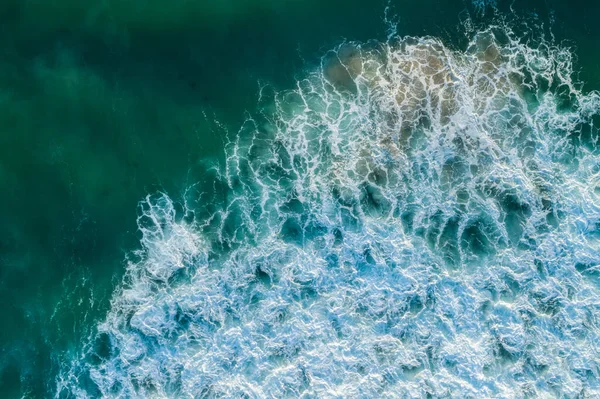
point(409, 222)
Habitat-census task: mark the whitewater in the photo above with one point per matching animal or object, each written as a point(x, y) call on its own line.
point(409, 221)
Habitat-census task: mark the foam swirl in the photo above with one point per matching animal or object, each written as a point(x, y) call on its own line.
point(410, 221)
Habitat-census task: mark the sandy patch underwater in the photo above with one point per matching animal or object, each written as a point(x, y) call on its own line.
point(409, 221)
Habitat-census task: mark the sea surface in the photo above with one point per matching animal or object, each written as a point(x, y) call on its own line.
point(300, 199)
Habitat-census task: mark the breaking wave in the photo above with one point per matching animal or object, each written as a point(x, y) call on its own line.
point(410, 221)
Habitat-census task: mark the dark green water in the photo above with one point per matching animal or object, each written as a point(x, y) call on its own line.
point(104, 103)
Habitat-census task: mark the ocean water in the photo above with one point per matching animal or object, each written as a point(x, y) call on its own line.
point(343, 200)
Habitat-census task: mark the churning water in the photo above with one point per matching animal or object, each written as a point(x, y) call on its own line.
point(410, 220)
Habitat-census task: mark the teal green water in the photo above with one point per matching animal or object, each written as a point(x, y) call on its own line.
point(104, 103)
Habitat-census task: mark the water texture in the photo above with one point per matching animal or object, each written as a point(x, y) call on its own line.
point(409, 221)
point(344, 199)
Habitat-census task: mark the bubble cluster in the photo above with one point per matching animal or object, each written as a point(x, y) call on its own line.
point(410, 221)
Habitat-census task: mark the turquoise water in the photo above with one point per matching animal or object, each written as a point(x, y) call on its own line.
point(307, 230)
